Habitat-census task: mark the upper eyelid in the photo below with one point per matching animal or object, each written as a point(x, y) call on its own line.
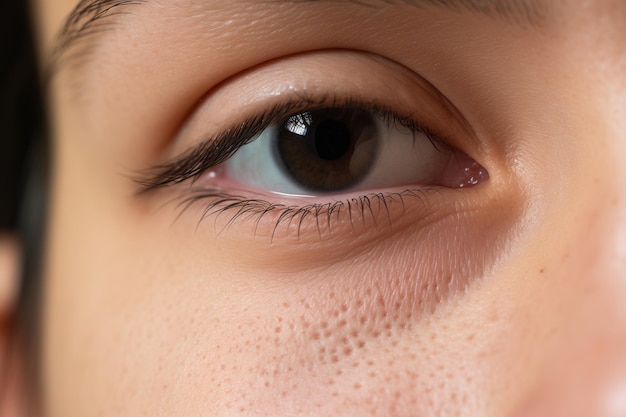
point(295, 83)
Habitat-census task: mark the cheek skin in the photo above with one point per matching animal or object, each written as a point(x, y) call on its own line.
point(352, 340)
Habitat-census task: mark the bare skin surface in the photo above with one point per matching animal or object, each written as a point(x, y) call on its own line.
point(501, 299)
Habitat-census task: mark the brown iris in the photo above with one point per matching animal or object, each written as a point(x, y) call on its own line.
point(329, 149)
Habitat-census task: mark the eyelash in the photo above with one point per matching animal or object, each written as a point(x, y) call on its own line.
point(245, 209)
point(192, 165)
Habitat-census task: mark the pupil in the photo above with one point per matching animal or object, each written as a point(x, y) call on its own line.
point(332, 139)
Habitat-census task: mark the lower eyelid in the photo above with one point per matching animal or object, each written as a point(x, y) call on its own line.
point(302, 221)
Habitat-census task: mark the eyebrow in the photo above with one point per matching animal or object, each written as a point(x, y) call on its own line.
point(91, 17)
point(88, 18)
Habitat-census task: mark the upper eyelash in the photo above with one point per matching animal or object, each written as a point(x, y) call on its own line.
point(220, 148)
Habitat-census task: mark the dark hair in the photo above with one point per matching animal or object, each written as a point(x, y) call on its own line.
point(23, 169)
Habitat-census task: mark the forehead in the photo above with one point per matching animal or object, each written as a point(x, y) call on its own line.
point(54, 13)
point(65, 23)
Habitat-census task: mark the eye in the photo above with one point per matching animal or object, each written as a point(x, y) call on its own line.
point(346, 149)
point(313, 148)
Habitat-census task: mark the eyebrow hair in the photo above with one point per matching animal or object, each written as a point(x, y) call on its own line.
point(91, 17)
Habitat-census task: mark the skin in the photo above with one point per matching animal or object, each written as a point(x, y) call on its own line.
point(505, 299)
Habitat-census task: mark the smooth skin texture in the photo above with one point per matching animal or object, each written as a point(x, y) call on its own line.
point(504, 299)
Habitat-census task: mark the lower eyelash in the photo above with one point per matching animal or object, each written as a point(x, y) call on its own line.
point(373, 206)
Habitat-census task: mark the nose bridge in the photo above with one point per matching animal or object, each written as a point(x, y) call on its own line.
point(601, 164)
point(607, 274)
point(585, 281)
point(599, 329)
point(602, 310)
point(587, 375)
point(610, 178)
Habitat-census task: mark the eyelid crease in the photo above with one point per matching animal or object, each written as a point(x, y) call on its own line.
point(213, 151)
